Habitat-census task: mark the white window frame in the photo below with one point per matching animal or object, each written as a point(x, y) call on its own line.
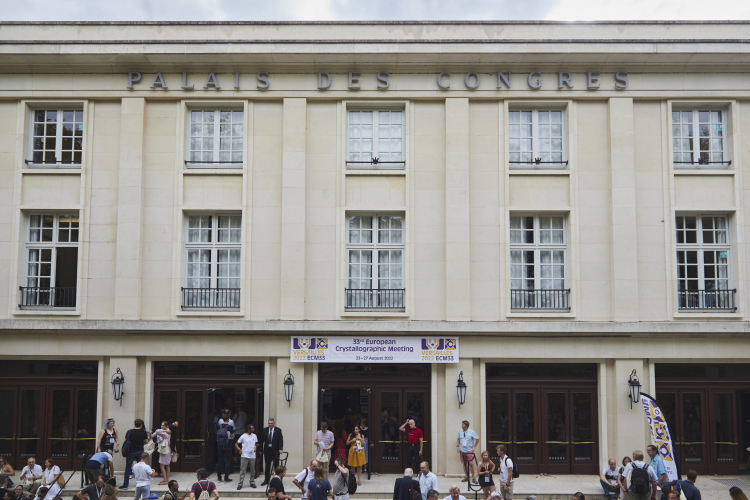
point(387, 299)
point(535, 138)
point(703, 299)
point(557, 298)
point(695, 152)
point(77, 125)
point(350, 161)
point(41, 298)
point(215, 160)
point(212, 298)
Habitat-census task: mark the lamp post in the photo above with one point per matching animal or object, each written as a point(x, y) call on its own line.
point(461, 388)
point(635, 388)
point(289, 387)
point(118, 380)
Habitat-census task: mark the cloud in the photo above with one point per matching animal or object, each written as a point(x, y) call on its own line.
point(648, 10)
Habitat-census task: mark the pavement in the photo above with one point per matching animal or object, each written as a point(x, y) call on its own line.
point(380, 487)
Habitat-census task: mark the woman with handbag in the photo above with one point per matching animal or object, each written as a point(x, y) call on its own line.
point(357, 453)
point(52, 479)
point(163, 441)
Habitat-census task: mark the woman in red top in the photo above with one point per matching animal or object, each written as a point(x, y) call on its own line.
point(341, 444)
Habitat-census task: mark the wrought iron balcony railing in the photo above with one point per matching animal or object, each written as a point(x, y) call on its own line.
point(556, 300)
point(706, 300)
point(35, 296)
point(392, 299)
point(210, 298)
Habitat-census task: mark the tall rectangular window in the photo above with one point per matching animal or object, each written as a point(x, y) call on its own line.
point(375, 261)
point(703, 251)
point(698, 139)
point(213, 247)
point(51, 260)
point(216, 138)
point(536, 139)
point(375, 139)
point(538, 250)
point(57, 137)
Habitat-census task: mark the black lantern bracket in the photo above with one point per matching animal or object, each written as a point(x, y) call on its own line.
point(461, 389)
point(289, 387)
point(635, 388)
point(117, 381)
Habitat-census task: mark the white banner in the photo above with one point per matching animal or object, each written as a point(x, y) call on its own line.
point(660, 431)
point(374, 349)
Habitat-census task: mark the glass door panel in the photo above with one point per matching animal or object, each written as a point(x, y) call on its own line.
point(499, 423)
point(585, 448)
point(524, 420)
point(8, 426)
point(192, 443)
point(167, 408)
point(29, 419)
point(415, 403)
point(725, 442)
point(86, 432)
point(389, 449)
point(60, 436)
point(557, 431)
point(693, 436)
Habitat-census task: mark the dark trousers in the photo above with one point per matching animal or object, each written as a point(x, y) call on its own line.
point(412, 456)
point(609, 489)
point(270, 457)
point(134, 456)
point(223, 461)
point(93, 470)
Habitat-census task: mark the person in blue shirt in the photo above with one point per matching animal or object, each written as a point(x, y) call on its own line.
point(466, 443)
point(96, 465)
point(657, 464)
point(686, 487)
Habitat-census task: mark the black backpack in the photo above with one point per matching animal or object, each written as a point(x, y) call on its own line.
point(126, 445)
point(414, 492)
point(516, 472)
point(640, 480)
point(352, 482)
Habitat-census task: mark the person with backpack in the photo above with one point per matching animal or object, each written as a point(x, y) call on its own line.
point(508, 472)
point(132, 449)
point(224, 439)
point(203, 488)
point(173, 489)
point(302, 480)
point(340, 481)
point(406, 488)
point(640, 477)
point(687, 488)
point(164, 448)
point(319, 488)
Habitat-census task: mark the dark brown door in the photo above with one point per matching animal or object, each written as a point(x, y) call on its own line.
point(584, 431)
point(8, 430)
point(686, 414)
point(394, 407)
point(557, 457)
point(513, 417)
point(60, 424)
point(29, 424)
point(186, 406)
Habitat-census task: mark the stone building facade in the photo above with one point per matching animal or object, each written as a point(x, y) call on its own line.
point(562, 201)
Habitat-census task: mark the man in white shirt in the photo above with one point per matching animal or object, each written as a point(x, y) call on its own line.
point(31, 475)
point(455, 494)
point(608, 479)
point(246, 445)
point(143, 474)
point(427, 480)
point(632, 494)
point(506, 473)
point(302, 480)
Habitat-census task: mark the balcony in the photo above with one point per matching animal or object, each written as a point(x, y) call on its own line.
point(210, 298)
point(540, 300)
point(47, 297)
point(706, 300)
point(375, 300)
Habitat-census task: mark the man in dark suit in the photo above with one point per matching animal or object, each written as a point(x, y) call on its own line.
point(272, 444)
point(405, 485)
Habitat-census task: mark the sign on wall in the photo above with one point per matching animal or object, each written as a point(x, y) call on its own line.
point(374, 349)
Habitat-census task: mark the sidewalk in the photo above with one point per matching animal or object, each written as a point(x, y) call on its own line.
point(381, 487)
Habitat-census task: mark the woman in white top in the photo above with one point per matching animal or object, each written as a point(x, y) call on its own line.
point(51, 473)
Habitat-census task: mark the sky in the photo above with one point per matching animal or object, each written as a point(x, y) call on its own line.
point(371, 10)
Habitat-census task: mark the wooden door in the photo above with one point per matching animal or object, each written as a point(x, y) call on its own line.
point(8, 429)
point(723, 434)
point(30, 424)
point(584, 432)
point(556, 431)
point(525, 430)
point(394, 407)
point(186, 406)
